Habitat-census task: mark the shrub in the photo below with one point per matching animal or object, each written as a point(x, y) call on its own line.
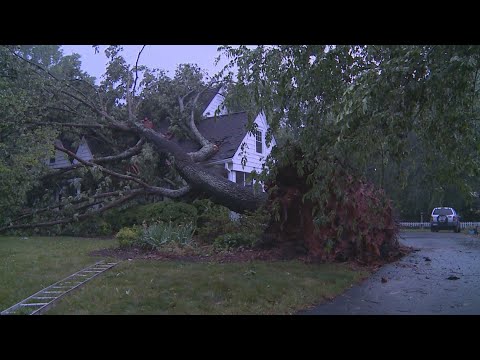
point(129, 236)
point(213, 220)
point(164, 211)
point(120, 218)
point(255, 222)
point(157, 235)
point(88, 227)
point(234, 241)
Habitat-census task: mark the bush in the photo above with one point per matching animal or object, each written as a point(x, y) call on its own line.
point(234, 241)
point(88, 227)
point(120, 218)
point(129, 236)
point(164, 211)
point(213, 220)
point(255, 222)
point(160, 234)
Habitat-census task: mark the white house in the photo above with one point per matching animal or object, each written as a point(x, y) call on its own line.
point(240, 152)
point(59, 160)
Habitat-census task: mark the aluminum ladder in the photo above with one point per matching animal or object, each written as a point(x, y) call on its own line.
point(41, 301)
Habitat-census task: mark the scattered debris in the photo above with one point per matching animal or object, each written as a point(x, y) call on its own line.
point(427, 258)
point(384, 280)
point(453, 277)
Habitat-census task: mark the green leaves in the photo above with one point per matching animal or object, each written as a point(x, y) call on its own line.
point(406, 112)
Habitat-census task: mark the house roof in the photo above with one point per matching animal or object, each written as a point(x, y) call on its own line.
point(97, 146)
point(205, 98)
point(226, 131)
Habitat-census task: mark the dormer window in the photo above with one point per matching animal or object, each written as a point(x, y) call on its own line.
point(52, 160)
point(258, 140)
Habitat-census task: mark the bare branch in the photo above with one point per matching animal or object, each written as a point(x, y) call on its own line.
point(54, 123)
point(115, 126)
point(132, 194)
point(182, 98)
point(124, 155)
point(73, 202)
point(129, 101)
point(207, 149)
point(101, 168)
point(147, 187)
point(136, 70)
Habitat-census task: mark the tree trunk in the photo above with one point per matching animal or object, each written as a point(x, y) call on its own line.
point(224, 192)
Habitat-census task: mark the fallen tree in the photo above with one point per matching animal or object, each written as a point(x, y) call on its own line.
point(352, 220)
point(353, 105)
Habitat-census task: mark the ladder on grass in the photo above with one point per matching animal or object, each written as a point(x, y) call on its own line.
point(44, 299)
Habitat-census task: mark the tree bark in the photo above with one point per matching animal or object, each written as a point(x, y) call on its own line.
point(222, 191)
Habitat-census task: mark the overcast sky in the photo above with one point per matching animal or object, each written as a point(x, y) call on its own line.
point(165, 57)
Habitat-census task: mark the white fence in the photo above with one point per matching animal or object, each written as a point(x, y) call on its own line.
point(463, 225)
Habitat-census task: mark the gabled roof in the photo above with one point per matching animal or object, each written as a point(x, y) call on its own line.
point(97, 146)
point(226, 131)
point(205, 98)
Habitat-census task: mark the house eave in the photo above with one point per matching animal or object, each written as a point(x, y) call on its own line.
point(223, 161)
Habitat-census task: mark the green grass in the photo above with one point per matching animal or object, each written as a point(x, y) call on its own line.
point(29, 264)
point(166, 287)
point(149, 287)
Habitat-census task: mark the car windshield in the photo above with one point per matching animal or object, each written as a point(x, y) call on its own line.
point(442, 212)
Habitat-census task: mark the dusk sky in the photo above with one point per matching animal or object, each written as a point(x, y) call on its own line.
point(165, 57)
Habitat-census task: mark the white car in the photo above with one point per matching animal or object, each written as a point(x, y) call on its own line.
point(445, 218)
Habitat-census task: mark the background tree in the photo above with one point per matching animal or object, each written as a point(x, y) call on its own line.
point(401, 116)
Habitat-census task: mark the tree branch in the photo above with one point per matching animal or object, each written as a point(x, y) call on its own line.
point(114, 126)
point(124, 155)
point(101, 168)
point(136, 70)
point(136, 149)
point(208, 149)
point(112, 204)
point(148, 188)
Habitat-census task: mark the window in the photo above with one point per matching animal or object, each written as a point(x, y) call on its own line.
point(243, 178)
point(240, 177)
point(258, 140)
point(443, 211)
point(52, 160)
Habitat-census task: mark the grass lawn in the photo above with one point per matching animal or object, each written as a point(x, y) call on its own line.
point(166, 287)
point(32, 263)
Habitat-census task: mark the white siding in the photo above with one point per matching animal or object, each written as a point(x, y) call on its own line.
point(61, 160)
point(216, 103)
point(83, 152)
point(254, 160)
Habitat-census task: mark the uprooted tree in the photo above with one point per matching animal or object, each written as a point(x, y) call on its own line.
point(339, 110)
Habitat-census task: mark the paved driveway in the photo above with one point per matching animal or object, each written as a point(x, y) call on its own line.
point(441, 277)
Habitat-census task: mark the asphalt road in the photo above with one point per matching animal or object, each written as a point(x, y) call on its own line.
point(441, 277)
